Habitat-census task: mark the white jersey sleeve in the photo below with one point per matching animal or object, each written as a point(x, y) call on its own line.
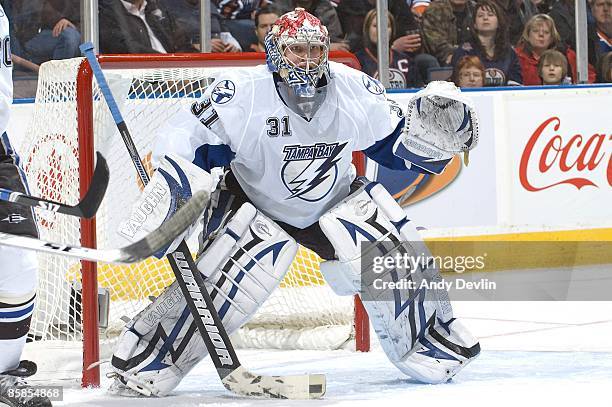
point(209, 132)
point(378, 116)
point(6, 73)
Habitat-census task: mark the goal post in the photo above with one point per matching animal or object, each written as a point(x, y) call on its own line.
point(71, 122)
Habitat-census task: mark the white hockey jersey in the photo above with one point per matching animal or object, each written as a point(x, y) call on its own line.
point(6, 72)
point(293, 170)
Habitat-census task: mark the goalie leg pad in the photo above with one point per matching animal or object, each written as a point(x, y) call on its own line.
point(243, 265)
point(406, 320)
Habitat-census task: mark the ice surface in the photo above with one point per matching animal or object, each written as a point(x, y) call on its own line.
point(536, 353)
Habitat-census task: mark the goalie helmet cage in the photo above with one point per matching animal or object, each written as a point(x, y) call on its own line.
point(85, 288)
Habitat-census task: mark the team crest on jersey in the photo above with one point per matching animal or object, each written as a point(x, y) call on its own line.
point(372, 85)
point(397, 80)
point(494, 77)
point(310, 171)
point(223, 92)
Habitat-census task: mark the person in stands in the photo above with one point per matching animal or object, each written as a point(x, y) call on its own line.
point(402, 72)
point(490, 43)
point(540, 34)
point(469, 72)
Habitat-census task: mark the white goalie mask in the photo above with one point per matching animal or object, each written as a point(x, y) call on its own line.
point(297, 48)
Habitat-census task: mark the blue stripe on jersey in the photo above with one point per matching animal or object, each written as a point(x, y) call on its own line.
point(382, 150)
point(15, 319)
point(210, 156)
point(18, 313)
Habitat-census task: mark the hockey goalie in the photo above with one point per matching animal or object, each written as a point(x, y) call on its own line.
point(283, 134)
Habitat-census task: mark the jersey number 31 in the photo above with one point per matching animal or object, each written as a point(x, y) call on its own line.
point(274, 126)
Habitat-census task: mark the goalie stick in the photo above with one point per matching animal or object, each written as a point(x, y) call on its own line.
point(232, 374)
point(140, 250)
point(86, 208)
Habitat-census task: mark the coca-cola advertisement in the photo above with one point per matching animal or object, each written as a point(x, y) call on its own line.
point(577, 160)
point(561, 158)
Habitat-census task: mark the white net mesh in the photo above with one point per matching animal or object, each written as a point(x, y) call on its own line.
point(148, 98)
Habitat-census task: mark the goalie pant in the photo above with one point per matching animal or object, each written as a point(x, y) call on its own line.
point(241, 267)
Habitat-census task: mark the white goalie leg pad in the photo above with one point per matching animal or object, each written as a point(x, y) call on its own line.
point(153, 343)
point(172, 184)
point(405, 319)
point(244, 264)
point(243, 277)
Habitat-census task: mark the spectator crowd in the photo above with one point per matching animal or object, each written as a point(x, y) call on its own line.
point(473, 43)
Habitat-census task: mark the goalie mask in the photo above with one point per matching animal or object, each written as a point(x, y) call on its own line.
point(297, 47)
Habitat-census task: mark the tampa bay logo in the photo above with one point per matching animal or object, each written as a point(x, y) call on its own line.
point(310, 171)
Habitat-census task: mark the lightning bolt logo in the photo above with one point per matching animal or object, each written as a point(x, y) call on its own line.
point(297, 182)
point(223, 92)
point(372, 85)
point(319, 164)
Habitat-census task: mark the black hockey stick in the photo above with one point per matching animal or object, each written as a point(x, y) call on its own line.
point(233, 375)
point(140, 250)
point(86, 208)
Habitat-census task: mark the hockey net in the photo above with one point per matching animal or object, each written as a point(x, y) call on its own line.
point(70, 122)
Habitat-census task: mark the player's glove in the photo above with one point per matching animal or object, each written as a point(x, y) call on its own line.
point(440, 122)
